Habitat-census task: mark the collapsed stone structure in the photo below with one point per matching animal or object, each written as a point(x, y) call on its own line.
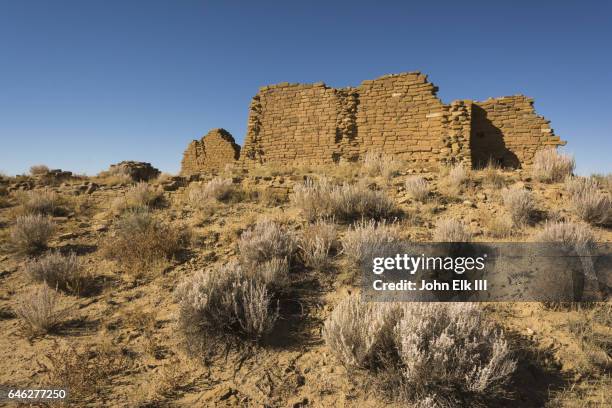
point(213, 152)
point(399, 115)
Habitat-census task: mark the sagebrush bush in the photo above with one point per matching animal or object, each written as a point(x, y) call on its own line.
point(31, 233)
point(550, 166)
point(567, 233)
point(431, 347)
point(225, 301)
point(316, 243)
point(520, 204)
point(39, 169)
point(273, 273)
point(265, 241)
point(140, 241)
point(220, 189)
point(417, 188)
point(63, 272)
point(456, 179)
point(367, 239)
point(451, 230)
point(500, 226)
point(39, 310)
point(45, 202)
point(589, 203)
point(378, 164)
point(346, 202)
point(492, 176)
point(139, 197)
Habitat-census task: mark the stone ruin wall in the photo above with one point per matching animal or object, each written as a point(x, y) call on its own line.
point(211, 153)
point(398, 115)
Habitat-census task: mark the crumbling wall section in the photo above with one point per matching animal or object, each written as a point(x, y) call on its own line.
point(508, 131)
point(212, 153)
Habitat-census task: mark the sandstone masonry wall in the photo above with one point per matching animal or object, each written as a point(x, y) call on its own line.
point(211, 153)
point(398, 114)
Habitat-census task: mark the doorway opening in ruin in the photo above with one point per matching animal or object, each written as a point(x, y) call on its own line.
point(487, 143)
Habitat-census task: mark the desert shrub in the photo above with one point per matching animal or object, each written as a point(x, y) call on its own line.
point(225, 301)
point(519, 203)
point(451, 230)
point(588, 201)
point(604, 180)
point(140, 196)
point(39, 169)
point(220, 189)
point(39, 310)
point(550, 166)
point(346, 202)
point(273, 273)
point(417, 187)
point(265, 241)
point(45, 202)
point(366, 239)
point(378, 164)
point(140, 241)
point(423, 347)
point(316, 243)
point(31, 233)
point(114, 176)
point(567, 233)
point(63, 272)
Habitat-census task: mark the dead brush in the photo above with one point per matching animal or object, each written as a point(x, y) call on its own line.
point(39, 311)
point(316, 244)
point(520, 204)
point(550, 166)
point(588, 202)
point(31, 233)
point(567, 233)
point(492, 176)
point(141, 242)
point(63, 272)
point(451, 230)
point(456, 179)
point(39, 169)
point(85, 372)
point(219, 189)
point(366, 239)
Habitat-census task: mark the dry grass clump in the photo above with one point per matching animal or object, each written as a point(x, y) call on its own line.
point(367, 239)
point(378, 164)
point(141, 242)
point(421, 349)
point(451, 230)
point(550, 166)
point(588, 201)
point(31, 233)
point(63, 272)
point(568, 233)
point(220, 189)
point(456, 179)
point(316, 243)
point(417, 187)
point(491, 175)
point(499, 226)
point(39, 169)
point(39, 310)
point(114, 177)
point(138, 197)
point(267, 240)
point(520, 204)
point(346, 202)
point(225, 301)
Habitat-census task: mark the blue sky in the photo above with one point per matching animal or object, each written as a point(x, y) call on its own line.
point(84, 84)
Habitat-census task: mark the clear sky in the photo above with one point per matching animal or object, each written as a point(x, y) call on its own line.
point(87, 83)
